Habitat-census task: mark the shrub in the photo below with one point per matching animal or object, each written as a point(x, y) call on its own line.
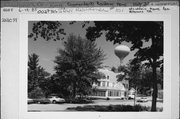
point(78, 100)
point(121, 108)
point(36, 93)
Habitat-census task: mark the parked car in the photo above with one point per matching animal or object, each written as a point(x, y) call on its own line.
point(142, 99)
point(131, 96)
point(56, 99)
point(122, 97)
point(42, 101)
point(30, 101)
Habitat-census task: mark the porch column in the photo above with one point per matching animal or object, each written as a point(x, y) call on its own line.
point(106, 94)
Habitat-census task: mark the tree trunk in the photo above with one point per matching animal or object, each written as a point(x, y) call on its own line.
point(74, 90)
point(154, 95)
point(135, 94)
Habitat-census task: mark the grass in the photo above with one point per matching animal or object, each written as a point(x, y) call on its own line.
point(109, 108)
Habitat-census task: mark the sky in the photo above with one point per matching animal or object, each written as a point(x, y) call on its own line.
point(47, 50)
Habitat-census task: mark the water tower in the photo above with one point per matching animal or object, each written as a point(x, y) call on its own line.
point(121, 51)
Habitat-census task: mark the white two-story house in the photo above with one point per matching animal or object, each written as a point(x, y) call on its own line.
point(108, 86)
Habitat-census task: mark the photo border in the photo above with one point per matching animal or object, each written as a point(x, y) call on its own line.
point(23, 50)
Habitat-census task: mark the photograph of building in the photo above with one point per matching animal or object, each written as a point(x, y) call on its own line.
point(95, 66)
point(108, 86)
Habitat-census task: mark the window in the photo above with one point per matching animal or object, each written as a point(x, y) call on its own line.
point(103, 83)
point(107, 77)
point(109, 93)
point(101, 93)
point(114, 93)
point(117, 93)
point(122, 93)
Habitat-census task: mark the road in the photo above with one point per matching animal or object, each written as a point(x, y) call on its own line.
point(64, 106)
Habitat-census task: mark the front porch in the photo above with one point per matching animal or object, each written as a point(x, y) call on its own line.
point(108, 93)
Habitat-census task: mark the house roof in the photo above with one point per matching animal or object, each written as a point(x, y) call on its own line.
point(111, 74)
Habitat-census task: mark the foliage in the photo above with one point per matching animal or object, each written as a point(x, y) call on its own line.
point(32, 72)
point(48, 30)
point(139, 77)
point(51, 86)
point(110, 108)
point(36, 93)
point(124, 73)
point(101, 75)
point(114, 69)
point(51, 30)
point(37, 76)
point(45, 83)
point(137, 33)
point(77, 65)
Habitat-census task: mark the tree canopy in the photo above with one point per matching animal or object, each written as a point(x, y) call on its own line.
point(77, 64)
point(37, 76)
point(137, 33)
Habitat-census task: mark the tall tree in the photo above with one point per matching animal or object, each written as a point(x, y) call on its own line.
point(44, 80)
point(139, 77)
point(37, 76)
point(77, 65)
point(135, 32)
point(32, 71)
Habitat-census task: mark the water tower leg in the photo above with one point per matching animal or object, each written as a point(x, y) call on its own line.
point(121, 61)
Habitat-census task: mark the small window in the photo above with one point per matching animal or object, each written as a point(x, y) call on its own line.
point(107, 77)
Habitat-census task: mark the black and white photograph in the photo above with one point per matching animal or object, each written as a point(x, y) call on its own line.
point(95, 66)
